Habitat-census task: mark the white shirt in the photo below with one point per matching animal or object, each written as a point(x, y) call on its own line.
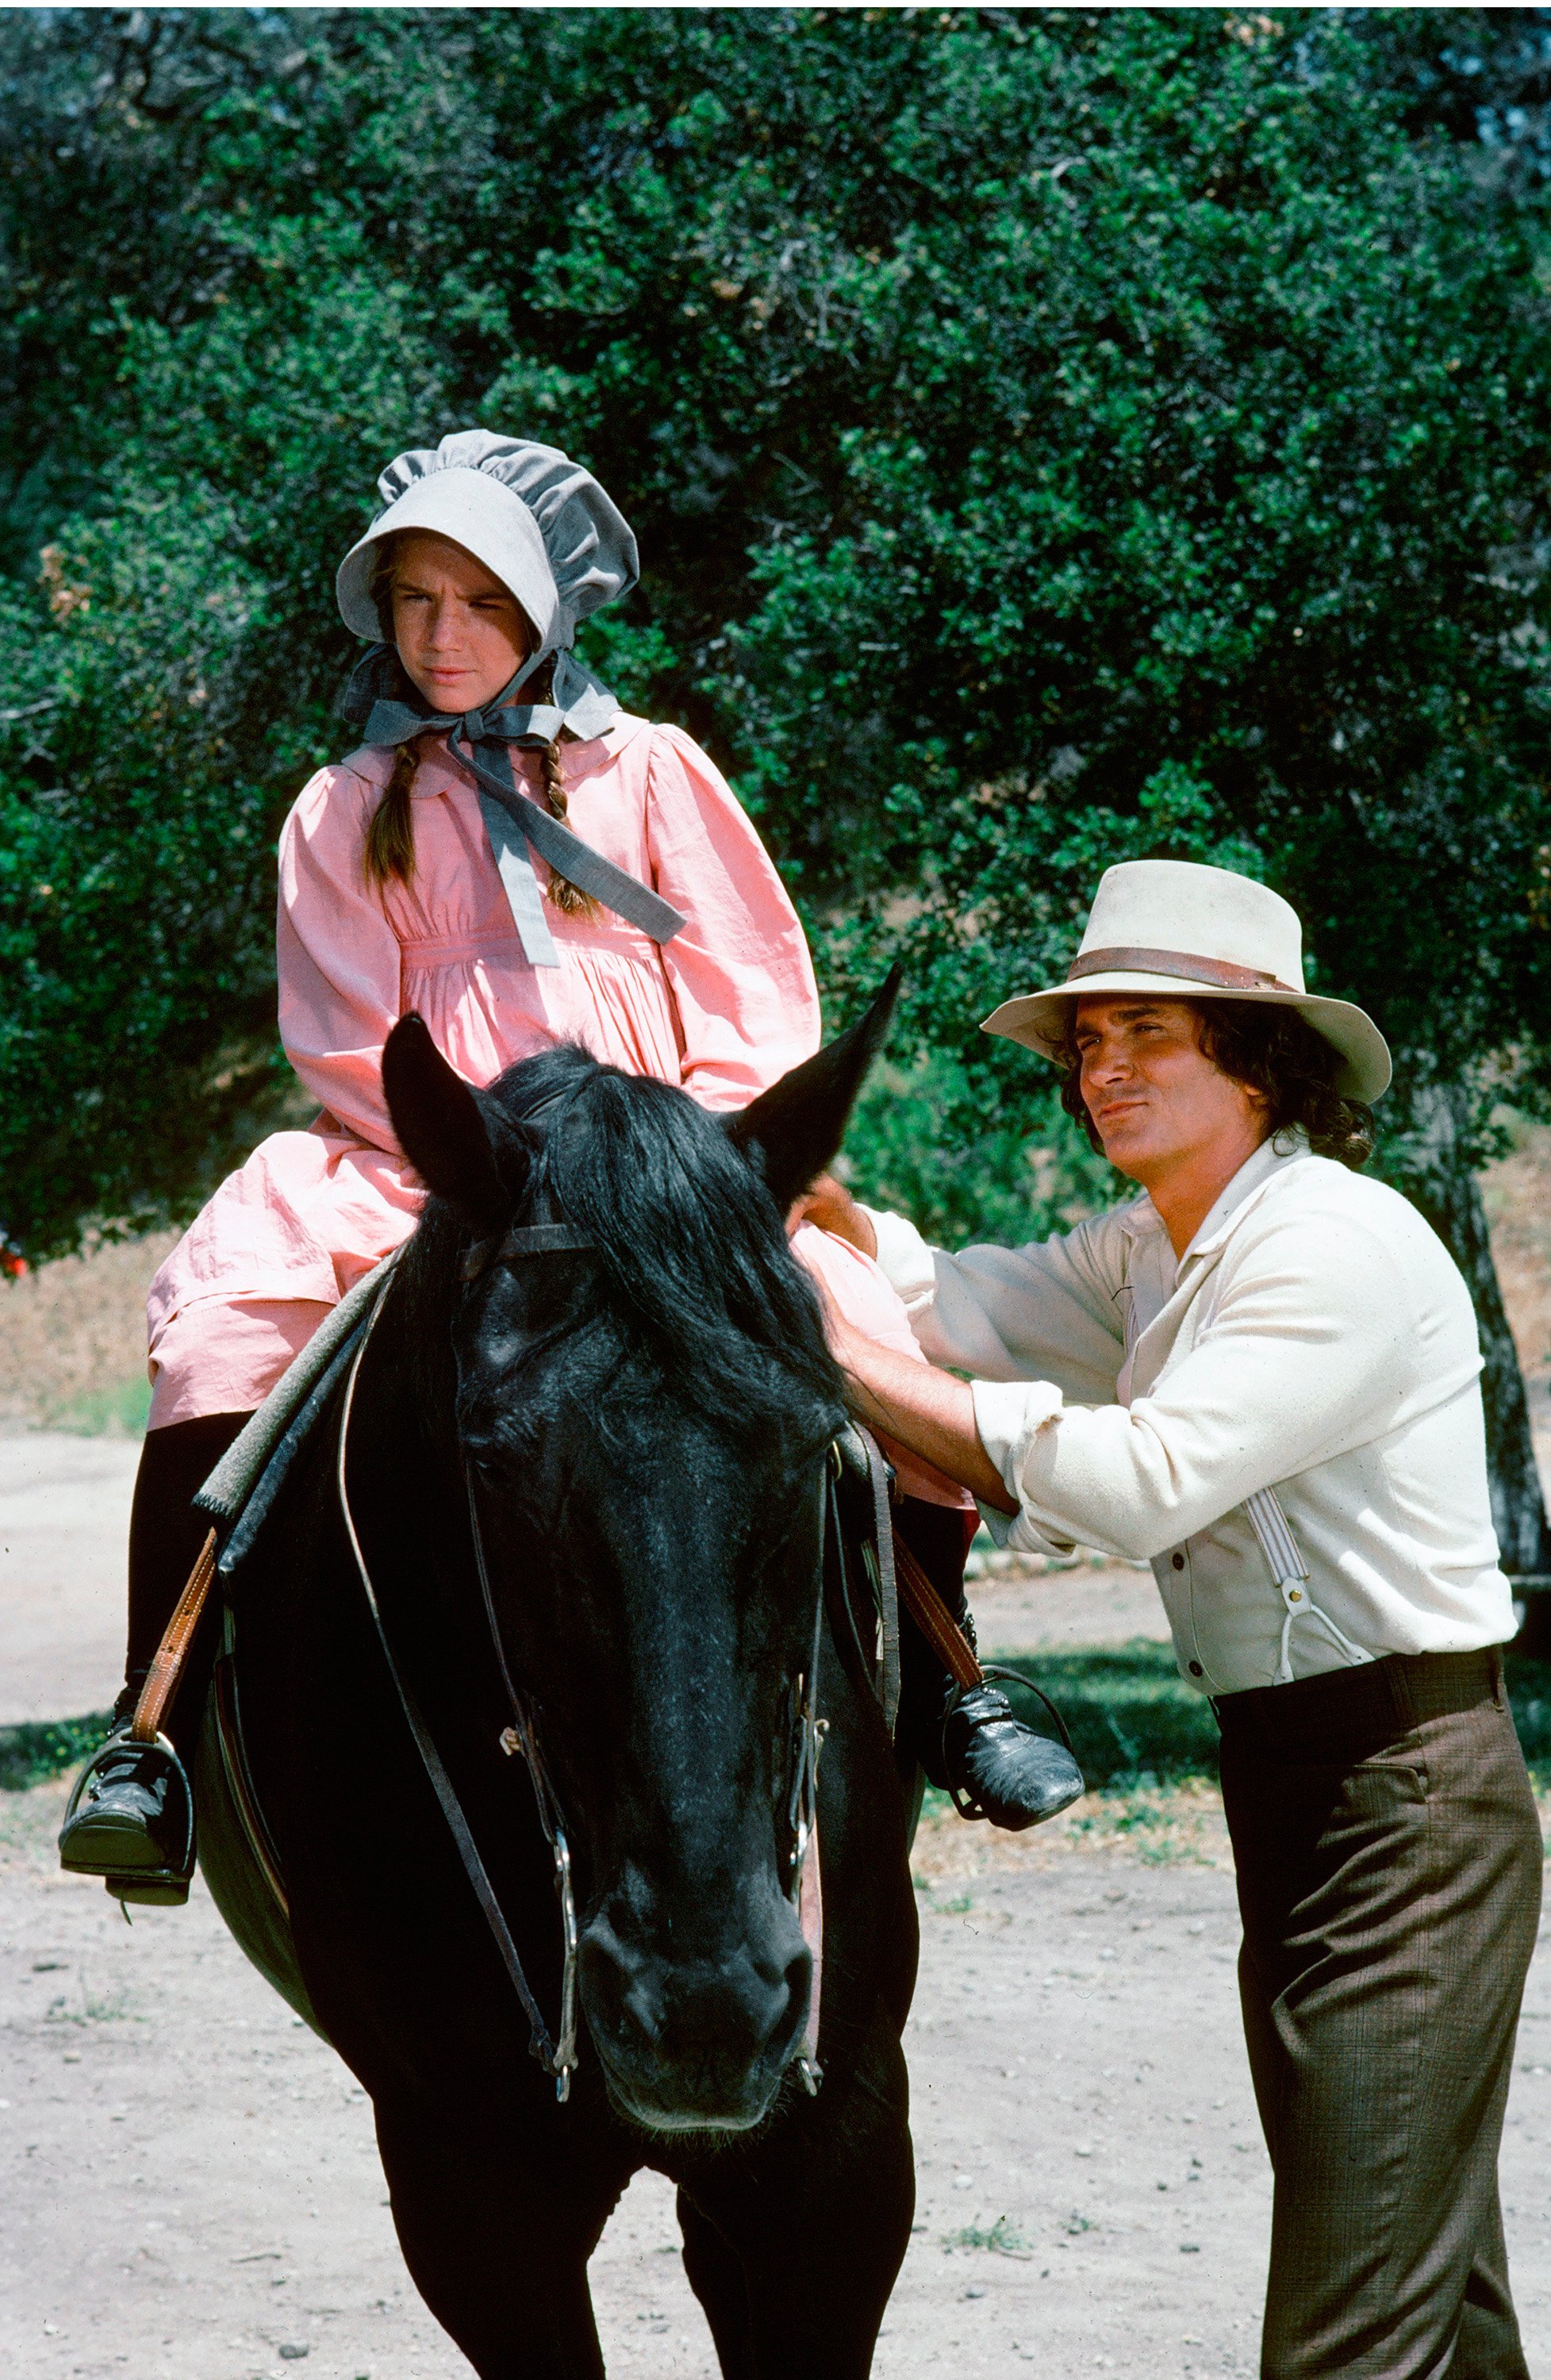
point(1316, 1338)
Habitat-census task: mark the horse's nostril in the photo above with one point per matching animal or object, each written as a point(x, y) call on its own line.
point(617, 1982)
point(695, 2032)
point(799, 1981)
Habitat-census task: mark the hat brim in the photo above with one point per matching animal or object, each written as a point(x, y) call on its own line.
point(1039, 1020)
point(480, 514)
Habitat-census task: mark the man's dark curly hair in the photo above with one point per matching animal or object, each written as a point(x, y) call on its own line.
point(1272, 1050)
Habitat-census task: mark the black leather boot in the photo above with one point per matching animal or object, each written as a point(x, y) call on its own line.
point(130, 1818)
point(995, 1767)
point(971, 1744)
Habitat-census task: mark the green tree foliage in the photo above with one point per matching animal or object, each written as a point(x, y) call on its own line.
point(1481, 75)
point(1053, 438)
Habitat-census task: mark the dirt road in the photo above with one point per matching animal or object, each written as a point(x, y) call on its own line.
point(63, 1528)
point(189, 2185)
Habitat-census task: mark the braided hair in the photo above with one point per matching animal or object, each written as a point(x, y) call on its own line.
point(390, 834)
point(389, 854)
point(566, 896)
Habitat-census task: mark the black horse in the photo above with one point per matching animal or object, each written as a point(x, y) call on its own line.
point(634, 1431)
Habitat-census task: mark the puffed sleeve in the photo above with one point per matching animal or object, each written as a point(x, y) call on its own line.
point(739, 969)
point(337, 957)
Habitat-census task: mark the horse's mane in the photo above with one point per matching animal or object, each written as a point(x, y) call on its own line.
point(697, 1288)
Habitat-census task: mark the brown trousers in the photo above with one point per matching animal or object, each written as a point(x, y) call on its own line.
point(1389, 1861)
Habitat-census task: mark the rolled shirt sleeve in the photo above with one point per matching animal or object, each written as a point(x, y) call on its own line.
point(1051, 1311)
point(1306, 1353)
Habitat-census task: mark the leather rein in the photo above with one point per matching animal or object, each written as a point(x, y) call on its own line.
point(556, 2057)
point(557, 2054)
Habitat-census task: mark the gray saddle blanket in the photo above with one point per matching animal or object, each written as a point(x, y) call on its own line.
point(243, 1484)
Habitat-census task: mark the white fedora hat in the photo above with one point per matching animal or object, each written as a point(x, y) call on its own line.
point(1176, 930)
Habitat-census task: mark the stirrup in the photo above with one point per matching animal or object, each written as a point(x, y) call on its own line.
point(164, 1882)
point(966, 1806)
point(164, 1885)
point(149, 1889)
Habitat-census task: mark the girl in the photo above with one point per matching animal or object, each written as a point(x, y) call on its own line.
point(522, 862)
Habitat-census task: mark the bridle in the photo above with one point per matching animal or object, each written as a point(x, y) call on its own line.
point(557, 2054)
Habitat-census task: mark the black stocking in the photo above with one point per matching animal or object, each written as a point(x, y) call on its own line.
point(937, 1538)
point(166, 1535)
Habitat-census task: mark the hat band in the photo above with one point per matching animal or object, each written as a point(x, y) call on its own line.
point(1183, 963)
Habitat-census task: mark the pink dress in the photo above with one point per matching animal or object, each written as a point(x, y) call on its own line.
point(723, 1009)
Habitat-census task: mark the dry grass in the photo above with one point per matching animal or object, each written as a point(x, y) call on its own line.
point(1155, 1824)
point(72, 1340)
point(1517, 1194)
point(1148, 1826)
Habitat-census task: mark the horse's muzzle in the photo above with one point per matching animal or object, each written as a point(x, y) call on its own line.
point(696, 2043)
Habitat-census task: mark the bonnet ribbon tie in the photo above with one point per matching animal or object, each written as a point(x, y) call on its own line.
point(517, 826)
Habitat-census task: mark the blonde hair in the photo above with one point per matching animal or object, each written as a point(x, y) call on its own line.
point(389, 855)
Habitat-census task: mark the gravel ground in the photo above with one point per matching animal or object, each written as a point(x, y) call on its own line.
point(189, 2185)
point(63, 1528)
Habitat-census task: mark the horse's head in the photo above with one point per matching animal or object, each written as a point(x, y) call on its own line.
point(644, 1423)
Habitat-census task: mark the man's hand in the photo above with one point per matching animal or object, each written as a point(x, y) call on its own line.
point(829, 1205)
point(926, 1410)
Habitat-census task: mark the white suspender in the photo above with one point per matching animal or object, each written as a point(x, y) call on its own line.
point(1289, 1572)
point(1290, 1576)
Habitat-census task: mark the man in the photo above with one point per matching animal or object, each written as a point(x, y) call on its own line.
point(1263, 1376)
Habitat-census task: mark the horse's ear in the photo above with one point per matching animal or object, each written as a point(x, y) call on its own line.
point(443, 1129)
point(793, 1131)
